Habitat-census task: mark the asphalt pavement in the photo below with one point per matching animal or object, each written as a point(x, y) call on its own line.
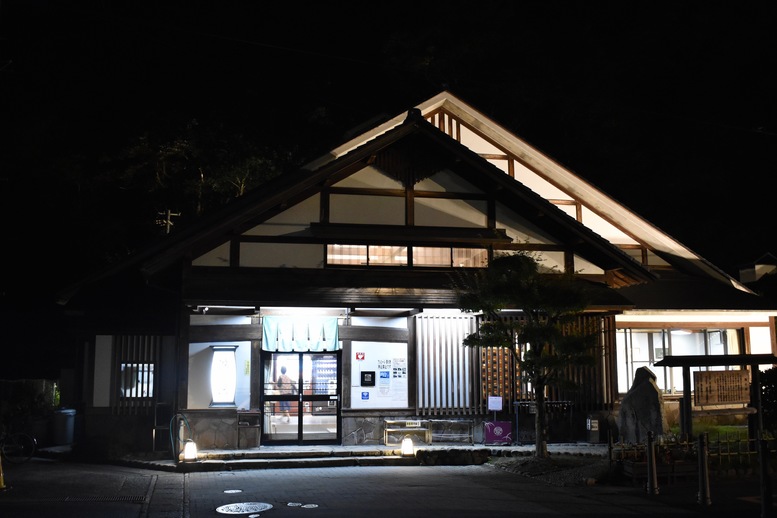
point(64, 488)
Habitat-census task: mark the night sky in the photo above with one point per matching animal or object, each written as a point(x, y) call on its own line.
point(669, 108)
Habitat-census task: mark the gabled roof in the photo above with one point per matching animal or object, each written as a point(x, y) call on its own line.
point(407, 133)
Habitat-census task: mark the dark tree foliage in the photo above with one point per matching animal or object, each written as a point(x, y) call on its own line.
point(543, 346)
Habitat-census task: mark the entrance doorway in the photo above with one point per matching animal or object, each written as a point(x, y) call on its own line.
point(301, 398)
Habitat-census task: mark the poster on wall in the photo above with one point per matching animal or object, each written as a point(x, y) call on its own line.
point(385, 366)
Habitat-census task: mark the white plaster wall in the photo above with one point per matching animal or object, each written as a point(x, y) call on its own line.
point(281, 255)
point(435, 212)
point(103, 348)
point(373, 210)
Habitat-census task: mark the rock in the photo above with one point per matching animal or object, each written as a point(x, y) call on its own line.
point(642, 409)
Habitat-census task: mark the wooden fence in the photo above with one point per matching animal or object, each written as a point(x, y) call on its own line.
point(728, 454)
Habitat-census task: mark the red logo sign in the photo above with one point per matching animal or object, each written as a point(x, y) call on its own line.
point(359, 356)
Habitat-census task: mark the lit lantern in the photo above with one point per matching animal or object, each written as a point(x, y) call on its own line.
point(189, 451)
point(407, 447)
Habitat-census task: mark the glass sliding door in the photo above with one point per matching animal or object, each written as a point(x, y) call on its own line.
point(301, 398)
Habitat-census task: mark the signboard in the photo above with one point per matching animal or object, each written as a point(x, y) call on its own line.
point(494, 403)
point(379, 375)
point(498, 432)
point(721, 387)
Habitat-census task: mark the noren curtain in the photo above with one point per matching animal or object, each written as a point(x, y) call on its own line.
point(299, 334)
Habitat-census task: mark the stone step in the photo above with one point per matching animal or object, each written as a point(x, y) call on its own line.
point(295, 462)
point(310, 457)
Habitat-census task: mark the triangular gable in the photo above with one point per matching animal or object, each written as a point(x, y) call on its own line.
point(486, 137)
point(416, 154)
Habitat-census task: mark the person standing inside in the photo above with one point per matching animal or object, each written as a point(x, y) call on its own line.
point(285, 385)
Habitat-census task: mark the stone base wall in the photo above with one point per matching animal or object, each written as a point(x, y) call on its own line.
point(212, 431)
point(368, 429)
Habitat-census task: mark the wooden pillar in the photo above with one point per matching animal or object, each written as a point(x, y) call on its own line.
point(686, 423)
point(755, 398)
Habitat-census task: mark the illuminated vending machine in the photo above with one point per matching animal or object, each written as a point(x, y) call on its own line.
point(325, 383)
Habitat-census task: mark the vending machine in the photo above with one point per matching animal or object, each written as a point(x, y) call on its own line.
point(325, 383)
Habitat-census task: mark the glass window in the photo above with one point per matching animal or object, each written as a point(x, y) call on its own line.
point(137, 380)
point(470, 257)
point(387, 255)
point(135, 358)
point(346, 254)
point(637, 348)
point(223, 376)
point(394, 255)
point(431, 256)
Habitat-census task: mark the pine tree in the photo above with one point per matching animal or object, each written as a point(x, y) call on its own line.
point(543, 344)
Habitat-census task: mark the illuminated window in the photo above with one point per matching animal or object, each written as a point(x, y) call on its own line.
point(644, 347)
point(137, 380)
point(431, 256)
point(223, 376)
point(346, 254)
point(135, 359)
point(387, 255)
point(470, 258)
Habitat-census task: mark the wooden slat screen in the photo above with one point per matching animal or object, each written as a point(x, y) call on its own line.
point(596, 386)
point(447, 370)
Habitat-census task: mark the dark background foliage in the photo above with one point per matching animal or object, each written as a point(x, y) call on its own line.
point(112, 112)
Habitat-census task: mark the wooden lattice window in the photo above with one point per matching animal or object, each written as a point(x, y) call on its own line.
point(136, 359)
point(498, 375)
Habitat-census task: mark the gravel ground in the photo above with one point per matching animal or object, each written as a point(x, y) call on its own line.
point(560, 469)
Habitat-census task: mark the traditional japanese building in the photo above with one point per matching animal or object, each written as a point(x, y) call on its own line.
point(340, 274)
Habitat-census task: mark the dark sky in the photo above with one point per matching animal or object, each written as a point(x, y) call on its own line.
point(669, 108)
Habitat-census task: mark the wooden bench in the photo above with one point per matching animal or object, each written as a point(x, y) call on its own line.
point(395, 431)
point(453, 430)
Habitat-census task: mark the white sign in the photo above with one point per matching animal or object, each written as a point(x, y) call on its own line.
point(389, 363)
point(494, 403)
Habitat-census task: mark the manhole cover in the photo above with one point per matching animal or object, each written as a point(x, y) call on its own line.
point(244, 508)
point(233, 490)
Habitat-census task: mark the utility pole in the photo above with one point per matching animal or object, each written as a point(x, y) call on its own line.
point(167, 222)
